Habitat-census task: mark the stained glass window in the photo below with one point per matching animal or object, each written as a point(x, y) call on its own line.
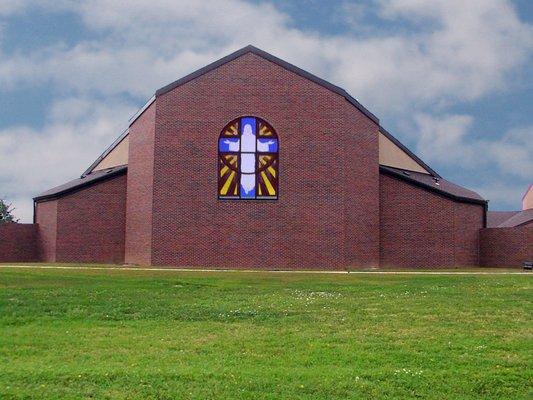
point(248, 160)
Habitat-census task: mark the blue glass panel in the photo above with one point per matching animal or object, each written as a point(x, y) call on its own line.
point(267, 145)
point(228, 144)
point(248, 120)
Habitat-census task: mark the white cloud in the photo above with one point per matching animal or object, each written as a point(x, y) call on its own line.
point(465, 50)
point(507, 194)
point(446, 139)
point(34, 160)
point(9, 7)
point(513, 152)
point(503, 166)
point(446, 51)
point(14, 7)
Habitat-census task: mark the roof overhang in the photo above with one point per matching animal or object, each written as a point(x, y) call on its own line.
point(437, 190)
point(81, 183)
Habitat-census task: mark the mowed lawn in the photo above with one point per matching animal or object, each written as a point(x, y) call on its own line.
point(111, 334)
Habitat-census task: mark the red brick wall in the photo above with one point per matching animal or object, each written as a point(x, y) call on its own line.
point(419, 228)
point(140, 189)
point(361, 193)
point(506, 247)
point(468, 222)
point(89, 224)
point(46, 218)
point(327, 215)
point(18, 242)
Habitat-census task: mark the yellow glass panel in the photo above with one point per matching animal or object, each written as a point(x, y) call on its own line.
point(270, 188)
point(231, 131)
point(225, 188)
point(223, 170)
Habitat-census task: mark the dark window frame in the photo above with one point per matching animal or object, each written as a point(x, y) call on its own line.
point(220, 162)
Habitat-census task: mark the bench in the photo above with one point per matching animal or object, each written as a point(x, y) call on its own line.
point(528, 265)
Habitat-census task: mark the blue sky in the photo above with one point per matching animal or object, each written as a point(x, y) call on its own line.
point(451, 79)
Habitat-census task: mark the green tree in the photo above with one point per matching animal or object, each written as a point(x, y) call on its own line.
point(6, 212)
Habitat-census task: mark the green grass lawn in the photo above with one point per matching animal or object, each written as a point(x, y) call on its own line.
point(114, 334)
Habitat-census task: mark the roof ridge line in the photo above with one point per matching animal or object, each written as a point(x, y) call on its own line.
point(284, 64)
point(276, 60)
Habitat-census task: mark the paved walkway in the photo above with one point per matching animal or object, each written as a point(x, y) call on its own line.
point(484, 272)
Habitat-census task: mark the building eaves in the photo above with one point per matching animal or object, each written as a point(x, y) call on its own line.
point(435, 184)
point(495, 218)
point(81, 183)
point(518, 219)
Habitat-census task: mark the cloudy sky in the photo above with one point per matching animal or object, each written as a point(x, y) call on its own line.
point(452, 79)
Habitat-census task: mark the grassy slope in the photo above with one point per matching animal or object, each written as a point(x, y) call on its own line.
point(158, 335)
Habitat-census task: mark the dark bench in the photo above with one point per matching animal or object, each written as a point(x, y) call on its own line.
point(528, 265)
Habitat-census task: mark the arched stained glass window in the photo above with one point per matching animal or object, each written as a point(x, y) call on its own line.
point(248, 162)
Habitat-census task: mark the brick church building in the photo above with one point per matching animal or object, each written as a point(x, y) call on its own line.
point(251, 162)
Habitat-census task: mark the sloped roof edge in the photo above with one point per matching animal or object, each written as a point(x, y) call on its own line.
point(520, 218)
point(530, 187)
point(105, 153)
point(409, 152)
point(278, 61)
point(275, 60)
point(141, 110)
point(80, 183)
point(467, 196)
point(495, 218)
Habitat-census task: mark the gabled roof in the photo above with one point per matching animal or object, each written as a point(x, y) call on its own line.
point(275, 60)
point(495, 218)
point(519, 218)
point(82, 182)
point(435, 184)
